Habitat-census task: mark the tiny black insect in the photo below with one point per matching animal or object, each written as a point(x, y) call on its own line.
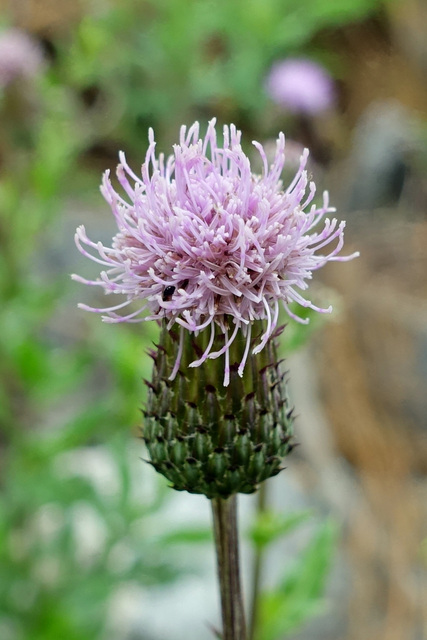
point(168, 293)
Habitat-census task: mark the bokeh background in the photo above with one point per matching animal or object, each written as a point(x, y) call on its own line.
point(92, 543)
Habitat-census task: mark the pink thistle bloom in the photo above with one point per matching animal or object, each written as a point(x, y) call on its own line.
point(205, 243)
point(20, 56)
point(300, 86)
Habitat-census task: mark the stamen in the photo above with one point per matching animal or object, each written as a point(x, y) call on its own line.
point(227, 344)
point(227, 364)
point(241, 368)
point(178, 356)
point(267, 333)
point(114, 319)
point(197, 363)
point(81, 305)
point(294, 316)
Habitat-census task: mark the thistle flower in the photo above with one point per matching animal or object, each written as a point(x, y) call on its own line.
point(20, 56)
point(210, 250)
point(204, 242)
point(300, 86)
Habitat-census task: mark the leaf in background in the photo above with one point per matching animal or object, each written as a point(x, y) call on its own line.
point(186, 535)
point(300, 593)
point(270, 526)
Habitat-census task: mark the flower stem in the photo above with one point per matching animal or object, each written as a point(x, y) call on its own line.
point(227, 551)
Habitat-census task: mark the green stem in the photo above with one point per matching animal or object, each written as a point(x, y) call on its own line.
point(257, 566)
point(227, 551)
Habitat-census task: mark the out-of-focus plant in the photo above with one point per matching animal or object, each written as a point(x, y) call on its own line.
point(63, 559)
point(299, 593)
point(33, 177)
point(162, 63)
point(300, 86)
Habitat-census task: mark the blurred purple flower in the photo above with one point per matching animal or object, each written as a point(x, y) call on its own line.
point(203, 242)
point(300, 86)
point(20, 56)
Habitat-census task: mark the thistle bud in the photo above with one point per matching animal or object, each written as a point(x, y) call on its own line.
point(216, 440)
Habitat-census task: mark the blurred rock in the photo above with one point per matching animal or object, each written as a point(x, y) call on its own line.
point(379, 163)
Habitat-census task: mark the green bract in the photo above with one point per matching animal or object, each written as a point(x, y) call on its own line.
point(210, 439)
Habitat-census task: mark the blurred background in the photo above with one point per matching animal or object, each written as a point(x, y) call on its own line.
point(93, 545)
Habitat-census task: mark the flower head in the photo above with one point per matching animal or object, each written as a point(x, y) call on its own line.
point(205, 243)
point(300, 86)
point(20, 56)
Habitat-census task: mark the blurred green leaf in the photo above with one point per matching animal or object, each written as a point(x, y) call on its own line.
point(270, 526)
point(187, 535)
point(300, 593)
point(209, 56)
point(41, 509)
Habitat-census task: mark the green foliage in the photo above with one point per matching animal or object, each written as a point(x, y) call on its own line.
point(299, 595)
point(49, 585)
point(187, 535)
point(269, 526)
point(209, 57)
